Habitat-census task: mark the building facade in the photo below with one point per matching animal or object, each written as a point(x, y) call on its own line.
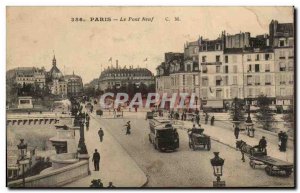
point(30, 75)
point(117, 77)
point(74, 85)
point(237, 66)
point(259, 73)
point(282, 39)
point(178, 75)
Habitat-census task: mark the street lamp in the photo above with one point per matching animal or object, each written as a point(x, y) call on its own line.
point(235, 120)
point(23, 160)
point(249, 124)
point(217, 164)
point(81, 145)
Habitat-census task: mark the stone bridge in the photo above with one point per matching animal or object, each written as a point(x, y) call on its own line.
point(35, 118)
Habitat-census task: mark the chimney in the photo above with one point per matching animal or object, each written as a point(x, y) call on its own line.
point(117, 64)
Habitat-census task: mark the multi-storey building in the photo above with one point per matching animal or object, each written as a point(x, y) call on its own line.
point(30, 75)
point(117, 77)
point(259, 73)
point(177, 75)
point(74, 85)
point(212, 69)
point(282, 39)
point(236, 66)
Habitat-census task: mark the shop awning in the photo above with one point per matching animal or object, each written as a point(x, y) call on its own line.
point(216, 104)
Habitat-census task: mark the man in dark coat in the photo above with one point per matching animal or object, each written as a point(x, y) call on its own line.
point(262, 144)
point(284, 139)
point(280, 135)
point(236, 132)
point(212, 120)
point(198, 119)
point(96, 160)
point(206, 118)
point(101, 134)
point(128, 127)
point(87, 125)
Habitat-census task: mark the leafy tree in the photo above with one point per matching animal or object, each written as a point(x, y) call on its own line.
point(237, 109)
point(264, 114)
point(289, 117)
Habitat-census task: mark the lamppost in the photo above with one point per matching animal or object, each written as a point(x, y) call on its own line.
point(81, 145)
point(235, 120)
point(249, 124)
point(23, 160)
point(217, 164)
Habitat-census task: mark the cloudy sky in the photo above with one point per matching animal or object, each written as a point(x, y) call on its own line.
point(34, 34)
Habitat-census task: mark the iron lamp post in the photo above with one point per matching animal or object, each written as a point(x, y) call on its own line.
point(81, 145)
point(217, 164)
point(249, 123)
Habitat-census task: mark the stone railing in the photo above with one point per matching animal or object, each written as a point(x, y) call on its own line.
point(55, 178)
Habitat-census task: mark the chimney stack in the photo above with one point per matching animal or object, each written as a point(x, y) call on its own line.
point(117, 64)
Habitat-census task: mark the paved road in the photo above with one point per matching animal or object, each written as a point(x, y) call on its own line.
point(185, 168)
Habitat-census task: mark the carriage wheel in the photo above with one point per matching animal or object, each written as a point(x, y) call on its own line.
point(252, 164)
point(208, 146)
point(269, 170)
point(193, 146)
point(155, 147)
point(288, 172)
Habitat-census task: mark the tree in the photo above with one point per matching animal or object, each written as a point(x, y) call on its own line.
point(289, 117)
point(237, 109)
point(264, 114)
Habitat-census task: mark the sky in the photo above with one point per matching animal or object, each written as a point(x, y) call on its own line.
point(35, 34)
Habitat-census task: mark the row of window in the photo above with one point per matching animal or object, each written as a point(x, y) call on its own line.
point(253, 68)
point(257, 57)
point(231, 93)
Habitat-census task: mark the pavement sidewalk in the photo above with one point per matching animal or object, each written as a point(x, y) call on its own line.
point(226, 137)
point(115, 165)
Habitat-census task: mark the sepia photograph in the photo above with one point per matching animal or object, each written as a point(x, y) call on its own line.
point(114, 97)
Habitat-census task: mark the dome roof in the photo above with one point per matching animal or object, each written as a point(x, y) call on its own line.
point(55, 73)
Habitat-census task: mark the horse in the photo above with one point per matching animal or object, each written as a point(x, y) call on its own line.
point(244, 148)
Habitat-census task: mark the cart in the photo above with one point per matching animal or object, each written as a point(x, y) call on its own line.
point(198, 140)
point(273, 166)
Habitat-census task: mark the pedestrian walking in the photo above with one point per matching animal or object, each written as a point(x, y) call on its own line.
point(114, 113)
point(206, 118)
point(280, 135)
point(96, 160)
point(92, 108)
point(212, 120)
point(284, 140)
point(128, 128)
point(87, 118)
point(198, 119)
point(87, 125)
point(236, 132)
point(101, 134)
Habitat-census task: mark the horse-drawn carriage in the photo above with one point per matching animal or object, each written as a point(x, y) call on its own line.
point(273, 166)
point(257, 157)
point(198, 140)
